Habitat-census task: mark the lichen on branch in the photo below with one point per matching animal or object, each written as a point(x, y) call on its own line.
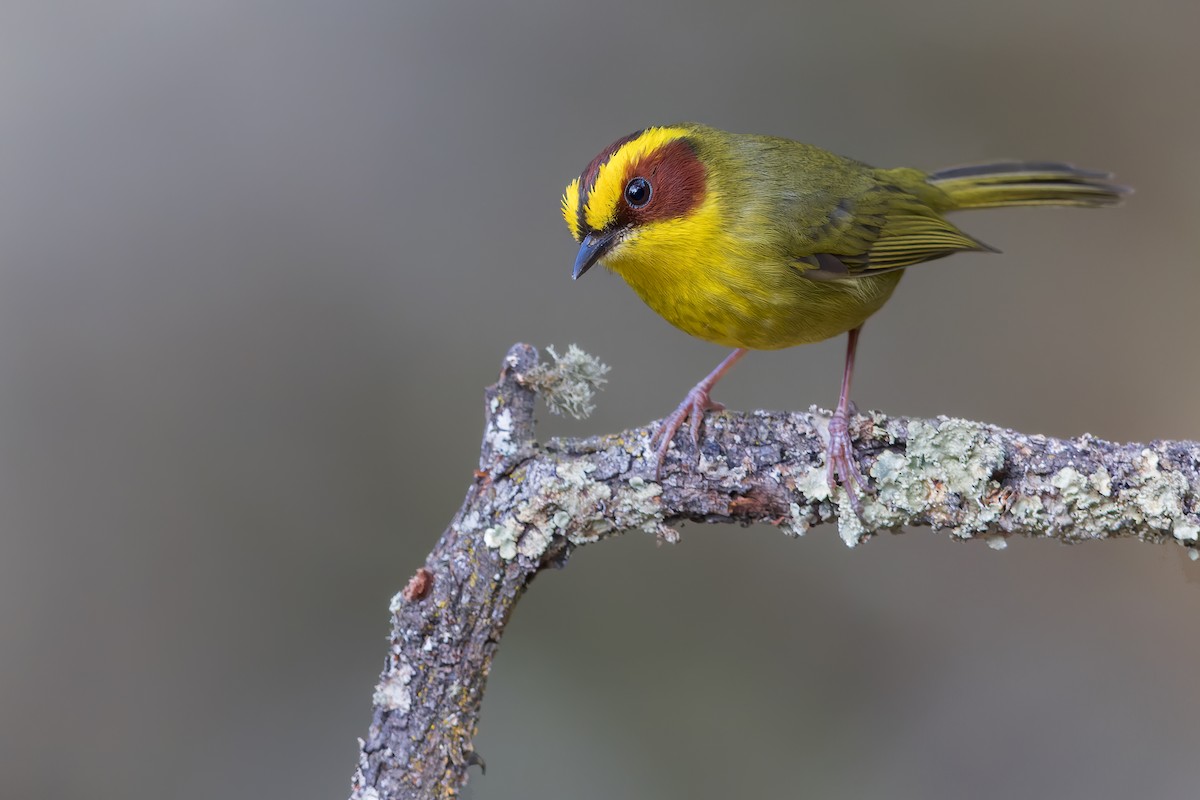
point(532, 504)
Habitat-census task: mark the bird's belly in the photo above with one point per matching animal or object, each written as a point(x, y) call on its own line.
point(769, 311)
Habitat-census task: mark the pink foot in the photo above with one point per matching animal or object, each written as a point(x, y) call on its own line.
point(840, 464)
point(692, 410)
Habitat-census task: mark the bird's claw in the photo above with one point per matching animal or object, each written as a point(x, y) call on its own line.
point(841, 464)
point(692, 409)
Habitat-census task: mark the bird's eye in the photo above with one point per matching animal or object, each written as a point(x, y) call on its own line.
point(637, 192)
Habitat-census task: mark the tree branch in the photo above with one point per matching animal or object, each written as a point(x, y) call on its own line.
point(532, 504)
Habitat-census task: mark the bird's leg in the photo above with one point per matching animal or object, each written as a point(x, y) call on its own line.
point(691, 409)
point(839, 459)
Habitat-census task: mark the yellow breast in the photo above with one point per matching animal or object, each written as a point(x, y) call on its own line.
point(732, 288)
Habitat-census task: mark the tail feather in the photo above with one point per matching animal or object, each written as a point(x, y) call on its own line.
point(1014, 183)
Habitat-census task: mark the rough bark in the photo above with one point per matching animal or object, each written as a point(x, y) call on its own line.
point(532, 504)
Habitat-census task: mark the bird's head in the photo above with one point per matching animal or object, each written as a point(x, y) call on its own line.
point(641, 185)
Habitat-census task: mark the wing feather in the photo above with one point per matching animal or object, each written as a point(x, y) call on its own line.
point(883, 229)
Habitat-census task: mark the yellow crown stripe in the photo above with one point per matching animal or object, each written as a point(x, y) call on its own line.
point(601, 206)
point(570, 209)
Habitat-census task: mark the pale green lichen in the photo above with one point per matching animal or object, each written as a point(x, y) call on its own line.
point(1157, 494)
point(888, 467)
point(950, 457)
point(947, 476)
point(813, 483)
point(1085, 501)
point(570, 503)
point(569, 385)
point(503, 537)
point(1027, 509)
point(894, 489)
point(575, 493)
point(1149, 498)
point(1070, 483)
point(643, 502)
point(955, 452)
point(1089, 493)
point(534, 541)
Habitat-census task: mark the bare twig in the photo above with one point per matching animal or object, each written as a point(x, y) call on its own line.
point(532, 504)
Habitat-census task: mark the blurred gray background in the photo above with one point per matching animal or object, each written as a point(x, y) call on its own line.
point(258, 261)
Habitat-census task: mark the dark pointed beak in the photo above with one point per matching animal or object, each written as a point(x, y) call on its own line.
point(591, 250)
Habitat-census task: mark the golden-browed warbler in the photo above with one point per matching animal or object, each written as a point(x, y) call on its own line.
point(758, 243)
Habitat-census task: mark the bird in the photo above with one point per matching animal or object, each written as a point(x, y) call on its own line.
point(760, 243)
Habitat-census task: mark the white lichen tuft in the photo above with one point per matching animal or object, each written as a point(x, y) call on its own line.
point(499, 433)
point(358, 789)
point(1186, 531)
point(392, 691)
point(568, 386)
point(796, 524)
